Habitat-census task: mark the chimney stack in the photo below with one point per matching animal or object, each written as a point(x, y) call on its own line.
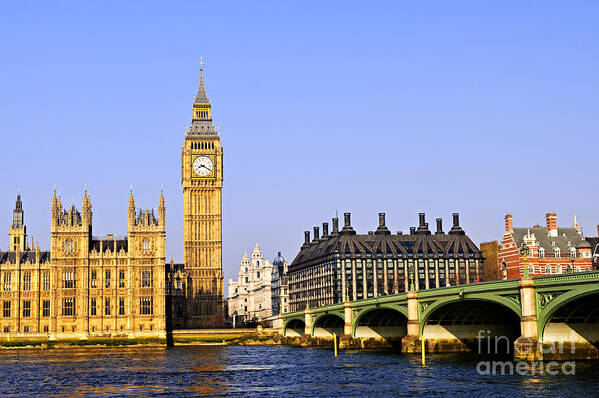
point(325, 230)
point(456, 229)
point(306, 239)
point(335, 227)
point(316, 235)
point(509, 224)
point(347, 228)
point(421, 219)
point(439, 226)
point(597, 229)
point(382, 228)
point(412, 230)
point(551, 224)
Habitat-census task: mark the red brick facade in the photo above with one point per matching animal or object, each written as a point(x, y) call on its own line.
point(552, 250)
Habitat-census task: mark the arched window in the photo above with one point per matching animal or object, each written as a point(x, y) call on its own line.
point(557, 252)
point(572, 252)
point(69, 246)
point(541, 252)
point(559, 269)
point(146, 245)
point(548, 269)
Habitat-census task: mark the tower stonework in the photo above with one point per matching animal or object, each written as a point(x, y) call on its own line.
point(202, 181)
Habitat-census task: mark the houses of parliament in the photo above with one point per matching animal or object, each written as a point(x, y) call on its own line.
point(87, 285)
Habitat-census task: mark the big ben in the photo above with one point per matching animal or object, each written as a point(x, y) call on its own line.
point(202, 181)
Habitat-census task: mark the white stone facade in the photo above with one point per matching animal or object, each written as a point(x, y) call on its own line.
point(250, 296)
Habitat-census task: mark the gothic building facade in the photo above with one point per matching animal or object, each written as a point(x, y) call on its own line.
point(85, 285)
point(196, 287)
point(344, 265)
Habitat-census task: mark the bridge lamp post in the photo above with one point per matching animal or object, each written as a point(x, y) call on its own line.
point(412, 287)
point(570, 268)
point(524, 251)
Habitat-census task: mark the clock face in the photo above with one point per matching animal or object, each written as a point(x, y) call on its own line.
point(202, 166)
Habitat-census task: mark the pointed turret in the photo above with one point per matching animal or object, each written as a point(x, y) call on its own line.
point(54, 199)
point(18, 234)
point(86, 209)
point(131, 211)
point(161, 210)
point(17, 214)
point(131, 199)
point(55, 211)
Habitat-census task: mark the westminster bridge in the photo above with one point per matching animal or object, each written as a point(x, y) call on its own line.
point(545, 317)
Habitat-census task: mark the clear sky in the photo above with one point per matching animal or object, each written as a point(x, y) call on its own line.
point(477, 107)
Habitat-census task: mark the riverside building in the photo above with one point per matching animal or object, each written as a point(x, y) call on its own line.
point(250, 297)
point(280, 286)
point(545, 250)
point(85, 285)
point(345, 265)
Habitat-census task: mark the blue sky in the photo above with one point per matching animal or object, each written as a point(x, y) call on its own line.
point(477, 107)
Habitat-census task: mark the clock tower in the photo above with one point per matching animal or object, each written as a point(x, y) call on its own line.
point(202, 180)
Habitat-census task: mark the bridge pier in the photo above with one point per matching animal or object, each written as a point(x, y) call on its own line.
point(348, 321)
point(526, 347)
point(410, 343)
point(307, 322)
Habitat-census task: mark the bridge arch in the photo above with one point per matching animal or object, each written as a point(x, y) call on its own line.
point(294, 327)
point(484, 325)
point(571, 317)
point(387, 322)
point(324, 325)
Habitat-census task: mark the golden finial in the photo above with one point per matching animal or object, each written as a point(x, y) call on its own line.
point(201, 67)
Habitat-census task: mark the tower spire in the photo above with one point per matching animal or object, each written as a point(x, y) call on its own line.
point(202, 68)
point(201, 96)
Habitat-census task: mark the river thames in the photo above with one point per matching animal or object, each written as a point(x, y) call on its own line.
point(252, 371)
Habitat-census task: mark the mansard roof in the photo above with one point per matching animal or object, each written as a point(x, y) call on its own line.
point(419, 243)
point(565, 239)
point(25, 257)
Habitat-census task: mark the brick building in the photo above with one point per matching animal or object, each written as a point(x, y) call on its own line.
point(491, 267)
point(551, 250)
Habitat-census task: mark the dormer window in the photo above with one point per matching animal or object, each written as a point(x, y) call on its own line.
point(557, 252)
point(552, 243)
point(572, 252)
point(541, 252)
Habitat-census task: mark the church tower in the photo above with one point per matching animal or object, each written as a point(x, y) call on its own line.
point(202, 180)
point(18, 231)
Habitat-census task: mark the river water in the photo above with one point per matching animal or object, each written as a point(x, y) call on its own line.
point(268, 371)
